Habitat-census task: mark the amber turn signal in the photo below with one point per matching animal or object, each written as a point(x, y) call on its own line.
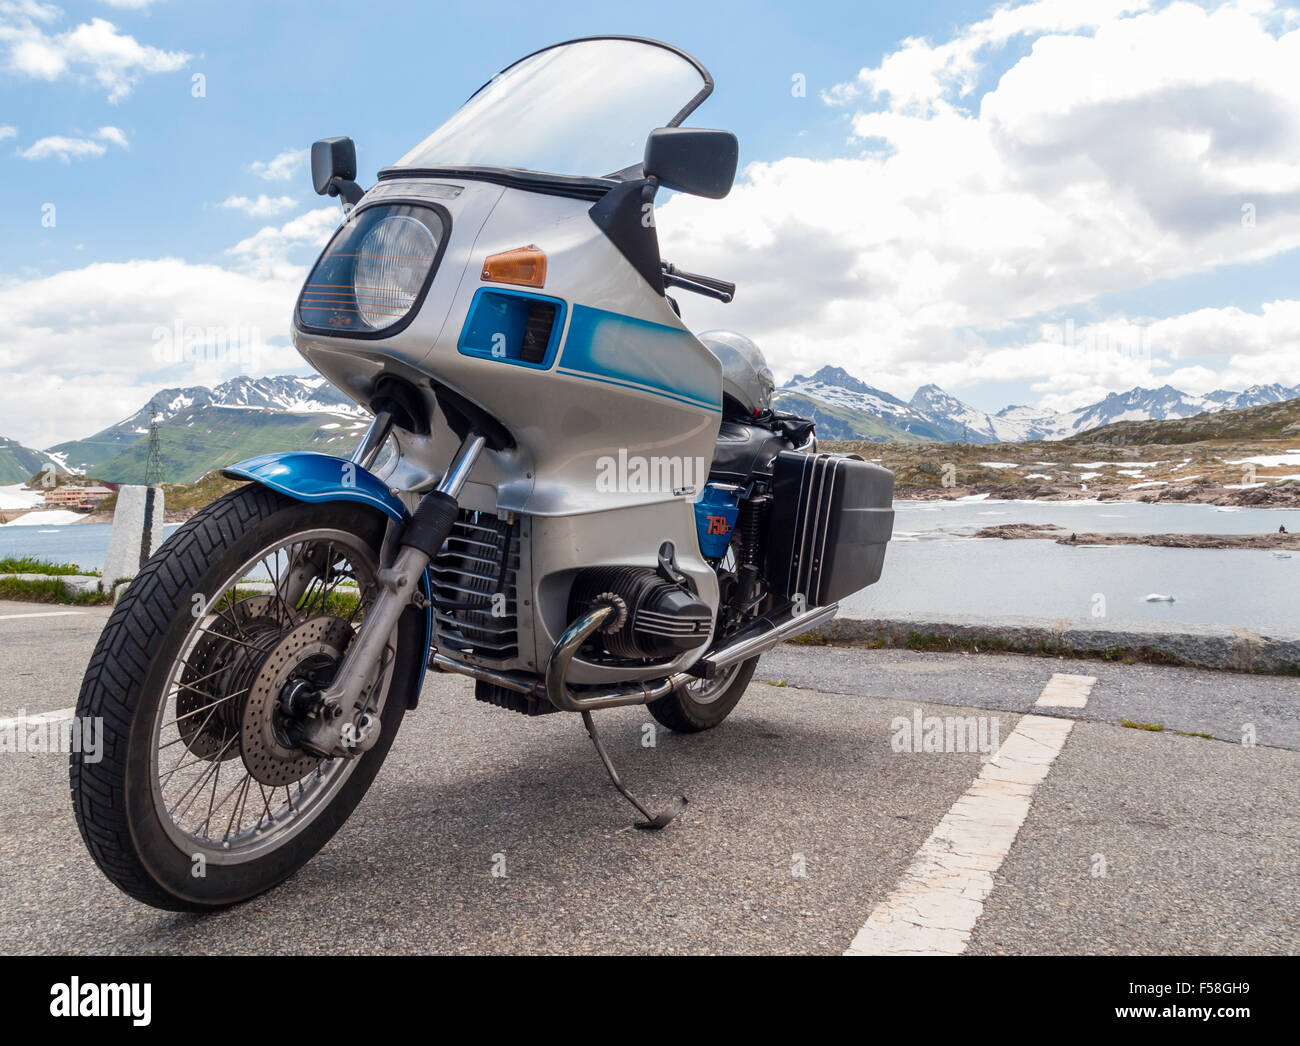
point(525, 266)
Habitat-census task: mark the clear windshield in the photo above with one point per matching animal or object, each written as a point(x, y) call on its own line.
point(581, 108)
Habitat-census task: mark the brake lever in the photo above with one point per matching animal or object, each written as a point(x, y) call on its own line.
point(697, 288)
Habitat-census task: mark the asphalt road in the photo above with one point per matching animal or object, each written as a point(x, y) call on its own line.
point(1135, 841)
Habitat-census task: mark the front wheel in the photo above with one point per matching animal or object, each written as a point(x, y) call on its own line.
point(704, 703)
point(202, 797)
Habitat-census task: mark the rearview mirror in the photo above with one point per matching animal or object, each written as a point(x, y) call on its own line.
point(334, 168)
point(692, 160)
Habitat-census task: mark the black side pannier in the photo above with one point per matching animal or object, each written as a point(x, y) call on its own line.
point(832, 516)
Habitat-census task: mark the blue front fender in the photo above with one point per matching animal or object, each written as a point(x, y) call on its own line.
point(305, 476)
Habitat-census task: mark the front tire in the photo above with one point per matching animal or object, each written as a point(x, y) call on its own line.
point(705, 704)
point(167, 636)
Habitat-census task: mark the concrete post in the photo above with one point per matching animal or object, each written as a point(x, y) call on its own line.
point(137, 531)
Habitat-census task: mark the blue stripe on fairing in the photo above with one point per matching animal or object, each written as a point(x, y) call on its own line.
point(637, 354)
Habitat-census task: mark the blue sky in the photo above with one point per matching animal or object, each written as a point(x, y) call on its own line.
point(937, 200)
point(282, 75)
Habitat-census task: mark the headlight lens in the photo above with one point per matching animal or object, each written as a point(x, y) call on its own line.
point(374, 271)
point(392, 262)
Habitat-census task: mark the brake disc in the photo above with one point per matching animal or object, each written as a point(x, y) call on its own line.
point(264, 741)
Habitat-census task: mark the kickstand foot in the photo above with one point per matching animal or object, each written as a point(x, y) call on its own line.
point(652, 822)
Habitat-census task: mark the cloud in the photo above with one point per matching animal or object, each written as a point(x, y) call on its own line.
point(990, 190)
point(67, 149)
point(920, 76)
point(130, 5)
point(7, 131)
point(268, 251)
point(283, 167)
point(95, 51)
point(86, 338)
point(262, 207)
point(113, 134)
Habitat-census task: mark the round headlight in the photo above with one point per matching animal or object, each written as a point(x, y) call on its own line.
point(392, 262)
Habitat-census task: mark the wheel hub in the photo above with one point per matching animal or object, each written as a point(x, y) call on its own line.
point(224, 663)
point(267, 735)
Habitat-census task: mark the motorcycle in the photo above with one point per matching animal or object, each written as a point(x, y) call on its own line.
point(564, 493)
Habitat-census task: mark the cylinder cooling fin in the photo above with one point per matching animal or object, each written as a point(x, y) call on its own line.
point(654, 619)
point(475, 588)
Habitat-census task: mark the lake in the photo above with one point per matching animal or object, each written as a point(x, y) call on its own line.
point(933, 566)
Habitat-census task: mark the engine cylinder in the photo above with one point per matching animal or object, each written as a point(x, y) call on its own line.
point(658, 619)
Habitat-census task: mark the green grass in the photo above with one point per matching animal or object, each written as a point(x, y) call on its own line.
point(339, 603)
point(51, 591)
point(1153, 727)
point(18, 462)
point(32, 565)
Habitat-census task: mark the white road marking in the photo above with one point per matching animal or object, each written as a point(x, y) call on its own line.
point(937, 903)
point(1063, 691)
point(57, 716)
point(47, 613)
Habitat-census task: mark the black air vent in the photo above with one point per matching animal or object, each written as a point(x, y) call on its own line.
point(537, 332)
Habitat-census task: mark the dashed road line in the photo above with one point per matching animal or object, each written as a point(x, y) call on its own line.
point(47, 613)
point(940, 898)
point(1066, 691)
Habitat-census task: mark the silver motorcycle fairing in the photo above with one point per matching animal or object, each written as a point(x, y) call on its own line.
point(627, 376)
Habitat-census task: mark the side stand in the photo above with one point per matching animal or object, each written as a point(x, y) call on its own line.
point(652, 822)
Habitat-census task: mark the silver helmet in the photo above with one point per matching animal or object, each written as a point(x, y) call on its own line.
point(746, 377)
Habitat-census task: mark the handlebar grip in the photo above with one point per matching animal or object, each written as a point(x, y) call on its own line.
point(724, 286)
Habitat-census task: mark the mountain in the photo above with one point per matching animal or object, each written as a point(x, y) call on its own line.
point(18, 463)
point(196, 441)
point(1278, 419)
point(241, 413)
point(1162, 404)
point(845, 407)
point(959, 422)
point(201, 428)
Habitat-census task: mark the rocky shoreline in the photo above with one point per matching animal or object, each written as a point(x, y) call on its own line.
point(1282, 495)
point(1062, 536)
point(169, 516)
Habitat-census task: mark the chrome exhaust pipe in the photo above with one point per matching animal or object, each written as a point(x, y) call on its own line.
point(557, 667)
point(762, 636)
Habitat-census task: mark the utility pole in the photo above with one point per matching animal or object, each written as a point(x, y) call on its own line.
point(153, 470)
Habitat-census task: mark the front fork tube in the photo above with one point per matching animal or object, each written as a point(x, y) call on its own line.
point(399, 584)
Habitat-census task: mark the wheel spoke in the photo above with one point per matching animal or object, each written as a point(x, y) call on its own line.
point(216, 762)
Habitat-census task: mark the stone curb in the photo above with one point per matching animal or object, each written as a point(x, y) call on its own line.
point(75, 582)
point(1272, 651)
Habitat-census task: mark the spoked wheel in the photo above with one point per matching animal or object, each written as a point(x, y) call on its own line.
point(205, 678)
point(704, 703)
